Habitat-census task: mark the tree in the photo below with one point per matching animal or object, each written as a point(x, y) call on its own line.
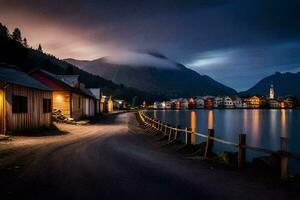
point(25, 44)
point(3, 30)
point(40, 48)
point(16, 35)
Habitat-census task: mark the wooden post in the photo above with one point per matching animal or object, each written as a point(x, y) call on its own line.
point(188, 136)
point(284, 158)
point(158, 125)
point(176, 132)
point(209, 142)
point(170, 133)
point(242, 151)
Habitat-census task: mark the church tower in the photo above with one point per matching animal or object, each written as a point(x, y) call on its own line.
point(272, 92)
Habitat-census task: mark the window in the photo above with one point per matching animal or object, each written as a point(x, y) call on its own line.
point(19, 104)
point(47, 105)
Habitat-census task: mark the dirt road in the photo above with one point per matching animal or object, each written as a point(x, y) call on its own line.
point(113, 159)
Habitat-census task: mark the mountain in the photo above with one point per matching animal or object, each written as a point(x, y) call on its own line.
point(155, 73)
point(14, 53)
point(284, 84)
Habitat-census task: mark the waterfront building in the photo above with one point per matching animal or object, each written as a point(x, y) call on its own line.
point(289, 102)
point(199, 103)
point(237, 102)
point(254, 102)
point(228, 103)
point(209, 103)
point(192, 103)
point(168, 104)
point(218, 102)
point(273, 103)
point(184, 104)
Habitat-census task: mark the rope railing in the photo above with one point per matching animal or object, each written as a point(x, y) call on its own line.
point(242, 146)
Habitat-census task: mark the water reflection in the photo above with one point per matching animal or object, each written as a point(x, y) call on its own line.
point(273, 123)
point(210, 124)
point(155, 114)
point(177, 116)
point(193, 125)
point(283, 132)
point(255, 126)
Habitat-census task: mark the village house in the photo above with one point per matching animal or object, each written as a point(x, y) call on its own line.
point(192, 103)
point(218, 102)
point(184, 103)
point(199, 103)
point(97, 94)
point(209, 103)
point(237, 102)
point(68, 96)
point(252, 102)
point(228, 103)
point(273, 103)
point(25, 103)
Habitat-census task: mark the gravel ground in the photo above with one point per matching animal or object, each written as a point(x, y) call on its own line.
point(114, 158)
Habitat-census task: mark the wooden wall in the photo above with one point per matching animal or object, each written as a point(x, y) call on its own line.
point(2, 113)
point(34, 118)
point(77, 106)
point(61, 101)
point(92, 107)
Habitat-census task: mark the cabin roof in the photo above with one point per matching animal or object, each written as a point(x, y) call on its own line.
point(71, 80)
point(68, 81)
point(10, 74)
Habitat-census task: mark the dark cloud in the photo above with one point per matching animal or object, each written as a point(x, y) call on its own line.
point(226, 39)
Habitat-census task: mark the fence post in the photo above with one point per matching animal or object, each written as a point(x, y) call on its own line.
point(242, 150)
point(209, 142)
point(188, 136)
point(177, 130)
point(284, 158)
point(170, 133)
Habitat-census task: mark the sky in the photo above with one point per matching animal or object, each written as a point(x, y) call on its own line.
point(236, 42)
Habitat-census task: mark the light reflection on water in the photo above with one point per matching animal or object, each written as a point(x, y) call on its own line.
point(263, 127)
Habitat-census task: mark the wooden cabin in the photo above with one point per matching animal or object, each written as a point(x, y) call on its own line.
point(97, 94)
point(67, 95)
point(25, 103)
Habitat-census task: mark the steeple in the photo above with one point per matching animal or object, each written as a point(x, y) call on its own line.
point(272, 92)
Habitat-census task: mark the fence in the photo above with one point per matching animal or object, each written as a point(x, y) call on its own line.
point(172, 133)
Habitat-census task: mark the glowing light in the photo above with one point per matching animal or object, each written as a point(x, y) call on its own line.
point(283, 123)
point(193, 125)
point(210, 124)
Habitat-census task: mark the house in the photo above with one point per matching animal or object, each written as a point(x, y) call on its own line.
point(218, 102)
point(184, 103)
point(199, 103)
point(25, 103)
point(120, 104)
point(168, 104)
point(106, 104)
point(68, 95)
point(252, 102)
point(209, 103)
point(191, 103)
point(289, 102)
point(228, 103)
point(273, 103)
point(97, 94)
point(237, 102)
point(89, 101)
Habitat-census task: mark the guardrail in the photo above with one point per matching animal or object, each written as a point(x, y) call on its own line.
point(171, 133)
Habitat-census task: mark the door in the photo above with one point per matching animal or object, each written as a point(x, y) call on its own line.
point(2, 117)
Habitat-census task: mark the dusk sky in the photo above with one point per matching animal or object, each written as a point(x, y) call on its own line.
point(234, 42)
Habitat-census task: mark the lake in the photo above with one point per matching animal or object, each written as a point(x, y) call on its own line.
point(263, 127)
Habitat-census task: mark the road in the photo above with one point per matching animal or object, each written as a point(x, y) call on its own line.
point(113, 158)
